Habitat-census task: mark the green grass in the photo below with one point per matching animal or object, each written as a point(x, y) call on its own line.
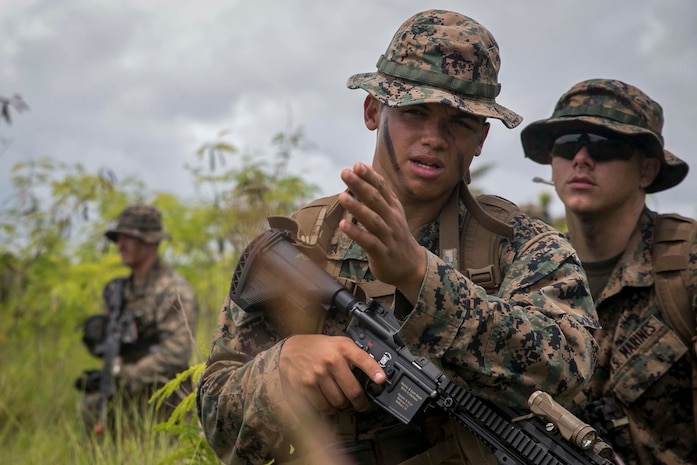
point(40, 421)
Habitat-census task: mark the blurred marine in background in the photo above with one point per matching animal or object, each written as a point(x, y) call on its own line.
point(145, 333)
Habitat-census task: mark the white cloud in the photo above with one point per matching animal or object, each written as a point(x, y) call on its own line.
point(138, 86)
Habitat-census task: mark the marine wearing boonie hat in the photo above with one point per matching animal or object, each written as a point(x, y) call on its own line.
point(140, 221)
point(439, 56)
point(607, 106)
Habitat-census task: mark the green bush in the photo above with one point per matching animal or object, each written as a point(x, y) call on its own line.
point(54, 261)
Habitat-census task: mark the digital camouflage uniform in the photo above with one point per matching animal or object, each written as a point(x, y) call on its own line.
point(643, 372)
point(164, 309)
point(531, 335)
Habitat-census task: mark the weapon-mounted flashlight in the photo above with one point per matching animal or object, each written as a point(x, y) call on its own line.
point(571, 428)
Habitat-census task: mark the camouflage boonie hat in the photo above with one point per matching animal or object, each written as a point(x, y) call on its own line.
point(140, 221)
point(607, 106)
point(439, 56)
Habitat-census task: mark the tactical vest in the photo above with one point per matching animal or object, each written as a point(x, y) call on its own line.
point(474, 250)
point(674, 236)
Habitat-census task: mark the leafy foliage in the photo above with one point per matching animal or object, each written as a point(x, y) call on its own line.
point(15, 102)
point(182, 425)
point(54, 260)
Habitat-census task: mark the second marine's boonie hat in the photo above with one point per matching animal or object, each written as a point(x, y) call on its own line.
point(607, 106)
point(439, 56)
point(140, 221)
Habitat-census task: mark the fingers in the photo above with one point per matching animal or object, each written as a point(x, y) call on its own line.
point(372, 204)
point(344, 374)
point(370, 367)
point(375, 199)
point(332, 396)
point(319, 369)
point(363, 212)
point(394, 255)
point(369, 238)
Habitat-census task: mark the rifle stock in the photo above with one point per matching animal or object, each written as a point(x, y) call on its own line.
point(272, 268)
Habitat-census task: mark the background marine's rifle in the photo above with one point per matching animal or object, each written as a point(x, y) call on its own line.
point(110, 348)
point(548, 434)
point(104, 336)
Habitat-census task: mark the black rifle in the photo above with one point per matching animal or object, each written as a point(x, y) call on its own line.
point(111, 347)
point(272, 268)
point(104, 336)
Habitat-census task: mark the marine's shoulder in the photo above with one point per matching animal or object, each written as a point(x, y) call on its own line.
point(169, 279)
point(539, 242)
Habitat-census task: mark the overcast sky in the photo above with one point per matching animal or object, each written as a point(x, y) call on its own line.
point(138, 85)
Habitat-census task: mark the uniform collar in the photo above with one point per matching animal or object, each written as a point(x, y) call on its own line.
point(635, 267)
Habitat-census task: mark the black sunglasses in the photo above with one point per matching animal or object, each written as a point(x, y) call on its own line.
point(600, 148)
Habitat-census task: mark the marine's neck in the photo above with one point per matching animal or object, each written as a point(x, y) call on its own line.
point(140, 271)
point(601, 236)
point(420, 213)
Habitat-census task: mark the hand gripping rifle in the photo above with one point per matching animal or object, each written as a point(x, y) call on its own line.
point(272, 269)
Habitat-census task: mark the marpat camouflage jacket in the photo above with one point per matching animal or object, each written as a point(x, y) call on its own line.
point(644, 369)
point(165, 311)
point(532, 335)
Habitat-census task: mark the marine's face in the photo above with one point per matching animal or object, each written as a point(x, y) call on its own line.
point(424, 150)
point(133, 251)
point(590, 187)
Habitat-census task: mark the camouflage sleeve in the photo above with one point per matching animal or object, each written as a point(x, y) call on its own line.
point(175, 316)
point(240, 401)
point(532, 335)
